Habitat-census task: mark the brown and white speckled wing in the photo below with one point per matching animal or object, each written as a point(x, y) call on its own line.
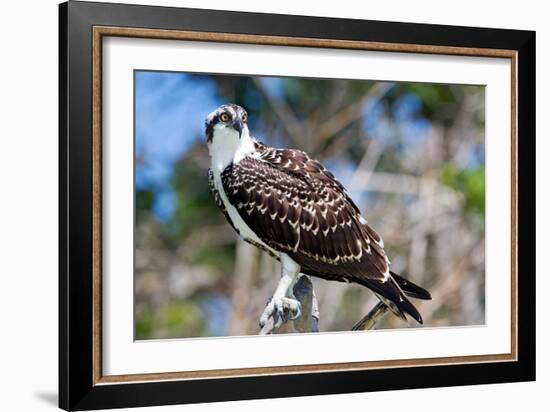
point(296, 206)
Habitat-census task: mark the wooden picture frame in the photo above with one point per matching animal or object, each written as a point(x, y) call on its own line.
point(82, 384)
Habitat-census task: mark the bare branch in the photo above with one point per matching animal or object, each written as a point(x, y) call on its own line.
point(352, 113)
point(389, 182)
point(370, 319)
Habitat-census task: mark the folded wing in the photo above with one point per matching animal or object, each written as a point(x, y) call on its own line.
point(296, 206)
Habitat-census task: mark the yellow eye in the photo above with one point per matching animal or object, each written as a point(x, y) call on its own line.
point(244, 117)
point(224, 117)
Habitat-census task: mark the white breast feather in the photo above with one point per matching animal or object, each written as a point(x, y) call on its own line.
point(227, 148)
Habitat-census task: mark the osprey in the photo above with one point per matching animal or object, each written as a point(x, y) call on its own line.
point(289, 205)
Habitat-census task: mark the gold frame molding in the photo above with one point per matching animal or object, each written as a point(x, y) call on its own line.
point(102, 31)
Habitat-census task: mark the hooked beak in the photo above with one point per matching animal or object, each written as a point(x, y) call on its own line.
point(238, 126)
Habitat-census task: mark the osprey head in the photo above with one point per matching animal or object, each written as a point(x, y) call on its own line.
point(228, 119)
point(228, 137)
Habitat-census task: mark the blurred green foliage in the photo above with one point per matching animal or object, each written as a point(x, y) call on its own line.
point(470, 183)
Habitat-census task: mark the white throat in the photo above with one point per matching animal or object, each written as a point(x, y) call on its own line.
point(227, 147)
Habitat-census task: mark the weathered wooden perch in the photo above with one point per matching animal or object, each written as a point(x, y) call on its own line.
point(309, 320)
point(369, 321)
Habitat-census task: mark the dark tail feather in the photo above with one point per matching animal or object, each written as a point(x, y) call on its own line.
point(404, 305)
point(410, 289)
point(394, 297)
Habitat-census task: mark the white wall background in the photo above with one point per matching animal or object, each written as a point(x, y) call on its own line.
point(28, 203)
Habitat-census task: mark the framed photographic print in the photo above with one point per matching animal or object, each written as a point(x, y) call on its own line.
point(257, 205)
